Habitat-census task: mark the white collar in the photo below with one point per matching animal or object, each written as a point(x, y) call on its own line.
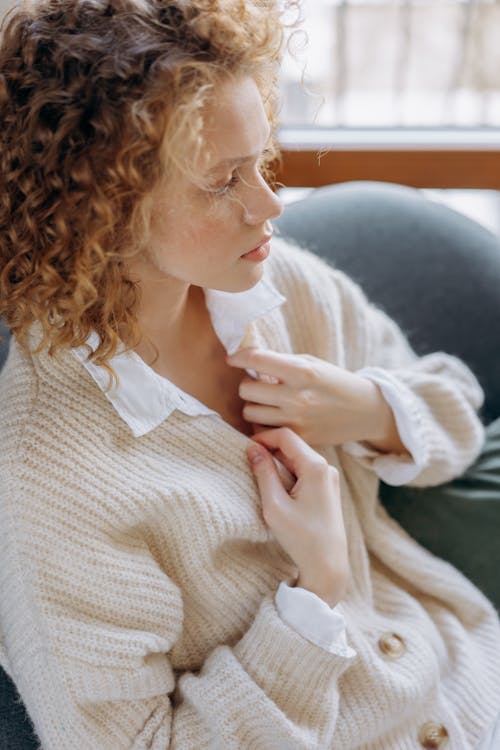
point(143, 398)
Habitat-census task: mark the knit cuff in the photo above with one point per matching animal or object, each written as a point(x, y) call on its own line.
point(391, 468)
point(280, 660)
point(313, 618)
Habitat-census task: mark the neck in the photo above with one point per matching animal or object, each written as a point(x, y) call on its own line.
point(172, 315)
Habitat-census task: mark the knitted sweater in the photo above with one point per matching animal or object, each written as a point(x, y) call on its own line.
point(137, 575)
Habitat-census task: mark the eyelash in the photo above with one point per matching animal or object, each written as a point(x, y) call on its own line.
point(235, 178)
point(228, 186)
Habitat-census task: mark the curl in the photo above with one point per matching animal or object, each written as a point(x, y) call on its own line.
point(99, 101)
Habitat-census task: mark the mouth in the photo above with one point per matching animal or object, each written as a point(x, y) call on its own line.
point(260, 252)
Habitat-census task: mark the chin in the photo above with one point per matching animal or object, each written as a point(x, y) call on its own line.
point(238, 283)
point(250, 279)
point(241, 279)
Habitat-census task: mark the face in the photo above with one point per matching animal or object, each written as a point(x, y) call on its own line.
point(201, 229)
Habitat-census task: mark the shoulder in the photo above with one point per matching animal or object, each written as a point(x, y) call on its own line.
point(291, 262)
point(297, 271)
point(19, 387)
point(324, 310)
point(45, 394)
point(312, 285)
point(56, 429)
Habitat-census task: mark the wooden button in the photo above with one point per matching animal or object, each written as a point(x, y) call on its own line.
point(392, 645)
point(432, 735)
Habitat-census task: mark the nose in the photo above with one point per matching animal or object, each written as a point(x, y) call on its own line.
point(261, 203)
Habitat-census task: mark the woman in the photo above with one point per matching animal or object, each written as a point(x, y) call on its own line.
point(165, 582)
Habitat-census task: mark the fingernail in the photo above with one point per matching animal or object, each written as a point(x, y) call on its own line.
point(255, 454)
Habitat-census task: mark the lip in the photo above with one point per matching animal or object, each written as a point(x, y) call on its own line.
point(262, 249)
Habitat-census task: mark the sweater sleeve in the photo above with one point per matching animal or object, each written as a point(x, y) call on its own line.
point(313, 618)
point(92, 643)
point(440, 394)
point(391, 468)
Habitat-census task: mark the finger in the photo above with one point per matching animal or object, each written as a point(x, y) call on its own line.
point(298, 456)
point(287, 478)
point(263, 361)
point(280, 460)
point(252, 379)
point(271, 416)
point(263, 378)
point(263, 393)
point(270, 485)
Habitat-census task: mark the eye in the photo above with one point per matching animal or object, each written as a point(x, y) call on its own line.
point(228, 186)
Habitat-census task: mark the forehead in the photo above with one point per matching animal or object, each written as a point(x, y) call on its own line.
point(235, 124)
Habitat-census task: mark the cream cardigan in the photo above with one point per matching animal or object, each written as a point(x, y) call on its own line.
point(137, 576)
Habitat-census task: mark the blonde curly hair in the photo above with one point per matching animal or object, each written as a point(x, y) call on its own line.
point(99, 99)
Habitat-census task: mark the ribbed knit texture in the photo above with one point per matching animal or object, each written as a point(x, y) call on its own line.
point(137, 576)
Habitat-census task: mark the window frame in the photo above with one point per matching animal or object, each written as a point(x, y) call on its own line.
point(423, 158)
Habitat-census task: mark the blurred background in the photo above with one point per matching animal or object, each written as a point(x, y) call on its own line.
point(396, 90)
point(407, 63)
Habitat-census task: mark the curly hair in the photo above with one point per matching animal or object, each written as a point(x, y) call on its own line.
point(99, 99)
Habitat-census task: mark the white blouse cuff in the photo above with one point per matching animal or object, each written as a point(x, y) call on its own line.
point(391, 468)
point(313, 619)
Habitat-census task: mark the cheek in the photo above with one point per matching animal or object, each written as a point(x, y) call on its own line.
point(207, 227)
point(215, 222)
point(162, 221)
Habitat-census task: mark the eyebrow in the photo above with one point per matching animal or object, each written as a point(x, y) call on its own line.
point(238, 160)
point(232, 162)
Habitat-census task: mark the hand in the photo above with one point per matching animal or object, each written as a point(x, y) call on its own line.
point(306, 521)
point(321, 402)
